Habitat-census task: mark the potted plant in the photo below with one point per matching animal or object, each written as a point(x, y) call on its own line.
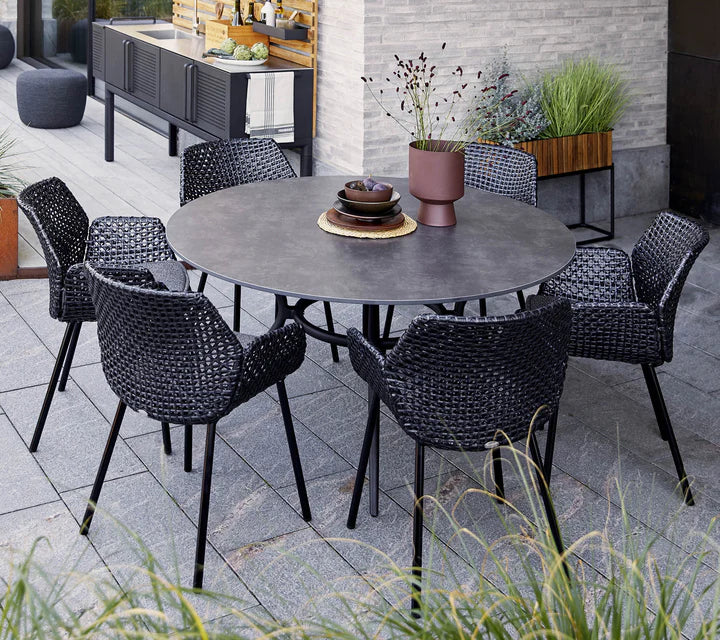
point(10, 185)
point(581, 103)
point(440, 127)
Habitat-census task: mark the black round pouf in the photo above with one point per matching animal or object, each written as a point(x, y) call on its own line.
point(7, 47)
point(51, 98)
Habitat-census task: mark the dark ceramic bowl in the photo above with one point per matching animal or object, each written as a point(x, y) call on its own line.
point(367, 196)
point(369, 208)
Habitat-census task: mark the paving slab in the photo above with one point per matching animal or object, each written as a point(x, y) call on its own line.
point(137, 508)
point(25, 359)
point(73, 439)
point(255, 430)
point(243, 508)
point(25, 485)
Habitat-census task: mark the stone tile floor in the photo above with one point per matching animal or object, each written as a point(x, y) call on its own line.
point(607, 430)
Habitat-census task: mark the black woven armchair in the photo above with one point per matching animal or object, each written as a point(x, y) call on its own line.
point(67, 239)
point(624, 307)
point(171, 355)
point(211, 166)
point(466, 383)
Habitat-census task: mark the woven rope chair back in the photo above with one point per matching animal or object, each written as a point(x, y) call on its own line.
point(210, 166)
point(462, 382)
point(61, 225)
point(661, 261)
point(502, 170)
point(169, 354)
point(127, 240)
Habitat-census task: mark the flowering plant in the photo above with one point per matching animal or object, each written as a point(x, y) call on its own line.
point(468, 112)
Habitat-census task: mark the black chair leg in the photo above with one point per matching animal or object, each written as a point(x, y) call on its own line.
point(187, 462)
point(521, 299)
point(418, 528)
point(236, 307)
point(659, 408)
point(201, 284)
point(331, 327)
point(547, 502)
point(498, 474)
point(373, 410)
point(102, 469)
point(167, 444)
point(483, 307)
point(59, 361)
point(204, 507)
point(388, 321)
point(294, 453)
point(69, 357)
point(550, 446)
point(666, 429)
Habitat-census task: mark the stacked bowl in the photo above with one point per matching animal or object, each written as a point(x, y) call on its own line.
point(366, 201)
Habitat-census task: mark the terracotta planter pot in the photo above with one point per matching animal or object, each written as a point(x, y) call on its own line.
point(437, 179)
point(8, 238)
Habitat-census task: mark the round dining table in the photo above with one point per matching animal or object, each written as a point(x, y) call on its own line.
point(265, 236)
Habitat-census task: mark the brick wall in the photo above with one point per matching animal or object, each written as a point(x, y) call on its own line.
point(360, 38)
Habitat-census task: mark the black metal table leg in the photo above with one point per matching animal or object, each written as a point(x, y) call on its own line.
point(109, 125)
point(172, 139)
point(371, 329)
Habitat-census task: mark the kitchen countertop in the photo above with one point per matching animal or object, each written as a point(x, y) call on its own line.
point(192, 46)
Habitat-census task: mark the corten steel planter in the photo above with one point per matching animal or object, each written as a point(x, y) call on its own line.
point(436, 178)
point(568, 154)
point(8, 238)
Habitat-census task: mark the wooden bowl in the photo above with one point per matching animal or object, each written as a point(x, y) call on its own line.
point(368, 196)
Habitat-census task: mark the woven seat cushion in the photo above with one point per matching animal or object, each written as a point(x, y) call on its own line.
point(51, 98)
point(170, 272)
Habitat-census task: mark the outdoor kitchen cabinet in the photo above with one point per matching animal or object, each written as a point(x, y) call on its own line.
point(190, 94)
point(133, 66)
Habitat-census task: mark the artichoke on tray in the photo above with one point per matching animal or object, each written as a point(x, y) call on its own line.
point(259, 51)
point(242, 52)
point(228, 45)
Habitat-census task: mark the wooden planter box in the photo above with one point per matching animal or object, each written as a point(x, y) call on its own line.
point(217, 31)
point(570, 153)
point(8, 238)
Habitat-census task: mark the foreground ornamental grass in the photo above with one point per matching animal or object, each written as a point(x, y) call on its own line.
point(517, 588)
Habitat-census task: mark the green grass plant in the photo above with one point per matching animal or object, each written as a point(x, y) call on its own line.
point(584, 96)
point(10, 183)
point(621, 587)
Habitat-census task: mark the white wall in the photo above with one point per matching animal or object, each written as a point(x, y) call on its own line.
point(360, 37)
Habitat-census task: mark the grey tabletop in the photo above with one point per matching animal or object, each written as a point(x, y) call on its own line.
point(265, 236)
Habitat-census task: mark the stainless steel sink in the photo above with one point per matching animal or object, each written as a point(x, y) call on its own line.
point(167, 34)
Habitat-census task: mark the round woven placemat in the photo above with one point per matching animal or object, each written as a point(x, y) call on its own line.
point(409, 225)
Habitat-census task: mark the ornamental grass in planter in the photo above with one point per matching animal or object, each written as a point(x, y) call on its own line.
point(581, 103)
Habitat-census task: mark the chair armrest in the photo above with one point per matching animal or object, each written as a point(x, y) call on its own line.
point(269, 359)
point(368, 362)
point(596, 274)
point(127, 240)
point(77, 305)
point(624, 332)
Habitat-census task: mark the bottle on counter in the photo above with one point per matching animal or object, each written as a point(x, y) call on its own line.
point(267, 13)
point(237, 20)
point(278, 11)
point(250, 17)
